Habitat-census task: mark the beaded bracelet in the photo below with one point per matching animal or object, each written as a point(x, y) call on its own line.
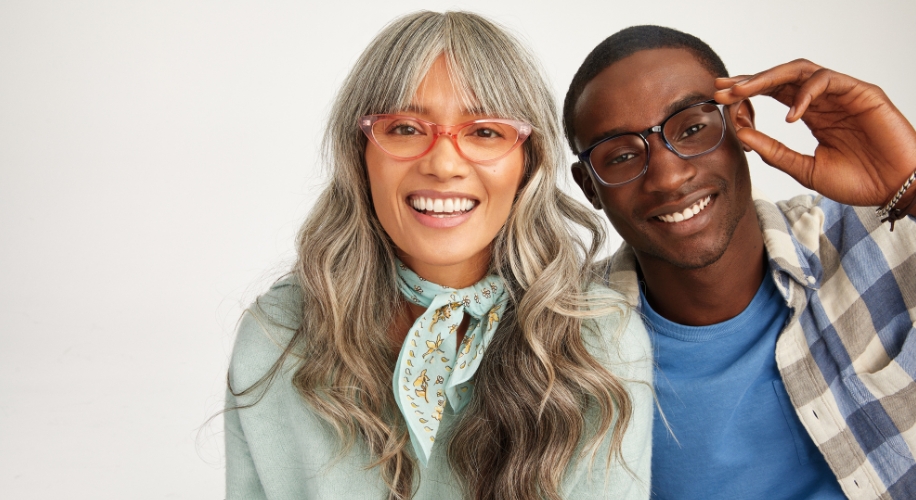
point(888, 213)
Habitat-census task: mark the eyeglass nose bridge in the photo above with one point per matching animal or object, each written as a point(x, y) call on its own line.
point(657, 129)
point(447, 131)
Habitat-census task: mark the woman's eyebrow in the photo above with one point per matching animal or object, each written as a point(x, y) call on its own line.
point(476, 111)
point(422, 110)
point(413, 108)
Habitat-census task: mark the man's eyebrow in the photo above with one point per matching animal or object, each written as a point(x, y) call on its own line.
point(687, 100)
point(671, 108)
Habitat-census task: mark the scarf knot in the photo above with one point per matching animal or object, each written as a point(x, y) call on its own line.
point(432, 367)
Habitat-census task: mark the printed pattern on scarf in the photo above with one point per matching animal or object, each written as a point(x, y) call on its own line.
point(432, 368)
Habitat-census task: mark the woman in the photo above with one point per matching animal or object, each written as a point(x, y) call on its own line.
point(436, 338)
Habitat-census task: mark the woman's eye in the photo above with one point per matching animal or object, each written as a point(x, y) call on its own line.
point(692, 130)
point(487, 133)
point(403, 129)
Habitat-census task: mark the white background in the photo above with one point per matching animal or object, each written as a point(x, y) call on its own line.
point(156, 159)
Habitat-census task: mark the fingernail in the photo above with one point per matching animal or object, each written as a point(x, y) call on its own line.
point(791, 113)
point(742, 82)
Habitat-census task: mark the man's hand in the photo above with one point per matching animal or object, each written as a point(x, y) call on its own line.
point(866, 148)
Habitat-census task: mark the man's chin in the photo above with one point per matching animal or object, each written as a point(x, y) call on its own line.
point(699, 261)
point(689, 258)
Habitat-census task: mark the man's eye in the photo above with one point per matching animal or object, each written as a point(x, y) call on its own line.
point(692, 130)
point(622, 158)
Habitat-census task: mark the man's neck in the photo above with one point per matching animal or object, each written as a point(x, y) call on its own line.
point(714, 293)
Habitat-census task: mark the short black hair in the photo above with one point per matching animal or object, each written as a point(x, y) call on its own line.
point(625, 43)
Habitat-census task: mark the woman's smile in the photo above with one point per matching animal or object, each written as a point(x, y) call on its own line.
point(441, 210)
point(441, 207)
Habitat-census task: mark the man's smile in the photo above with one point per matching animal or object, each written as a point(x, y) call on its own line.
point(687, 213)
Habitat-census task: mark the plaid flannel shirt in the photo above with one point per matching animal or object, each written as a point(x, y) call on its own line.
point(847, 355)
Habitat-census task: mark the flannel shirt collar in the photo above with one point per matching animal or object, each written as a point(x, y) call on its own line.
point(790, 257)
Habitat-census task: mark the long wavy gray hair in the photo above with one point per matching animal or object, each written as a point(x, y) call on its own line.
point(498, 449)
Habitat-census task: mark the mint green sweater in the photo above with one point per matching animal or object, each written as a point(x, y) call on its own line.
point(280, 449)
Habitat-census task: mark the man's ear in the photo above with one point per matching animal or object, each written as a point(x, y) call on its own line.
point(586, 184)
point(742, 116)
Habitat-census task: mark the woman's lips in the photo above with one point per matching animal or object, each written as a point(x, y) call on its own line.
point(442, 212)
point(441, 207)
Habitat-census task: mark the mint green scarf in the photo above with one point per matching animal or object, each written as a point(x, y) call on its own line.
point(431, 366)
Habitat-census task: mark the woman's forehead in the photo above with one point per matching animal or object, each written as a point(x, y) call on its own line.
point(443, 78)
point(480, 93)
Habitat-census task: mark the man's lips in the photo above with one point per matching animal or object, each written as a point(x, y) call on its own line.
point(687, 213)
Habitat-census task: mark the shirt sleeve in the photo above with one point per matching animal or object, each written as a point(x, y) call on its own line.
point(242, 481)
point(629, 356)
point(251, 420)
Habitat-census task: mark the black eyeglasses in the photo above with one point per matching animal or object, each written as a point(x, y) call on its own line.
point(690, 132)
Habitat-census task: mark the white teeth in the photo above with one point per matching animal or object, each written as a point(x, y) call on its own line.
point(438, 206)
point(687, 213)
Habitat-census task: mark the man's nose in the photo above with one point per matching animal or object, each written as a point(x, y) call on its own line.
point(667, 171)
point(443, 160)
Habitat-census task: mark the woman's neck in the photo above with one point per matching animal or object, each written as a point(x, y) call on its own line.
point(455, 275)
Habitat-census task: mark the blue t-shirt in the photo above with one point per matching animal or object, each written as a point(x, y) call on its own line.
point(735, 432)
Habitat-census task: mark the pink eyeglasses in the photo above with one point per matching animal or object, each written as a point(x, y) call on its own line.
point(409, 138)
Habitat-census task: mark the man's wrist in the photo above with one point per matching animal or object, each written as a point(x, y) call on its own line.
point(902, 204)
point(899, 198)
point(907, 203)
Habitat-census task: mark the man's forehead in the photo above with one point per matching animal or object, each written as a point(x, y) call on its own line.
point(639, 91)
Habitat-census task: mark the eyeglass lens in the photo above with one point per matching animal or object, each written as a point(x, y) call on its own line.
point(690, 132)
point(407, 138)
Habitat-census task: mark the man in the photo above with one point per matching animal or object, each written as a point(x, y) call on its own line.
point(781, 332)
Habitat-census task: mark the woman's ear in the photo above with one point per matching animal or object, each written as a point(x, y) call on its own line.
point(584, 180)
point(741, 115)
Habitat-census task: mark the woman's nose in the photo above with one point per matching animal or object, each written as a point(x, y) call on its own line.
point(443, 160)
